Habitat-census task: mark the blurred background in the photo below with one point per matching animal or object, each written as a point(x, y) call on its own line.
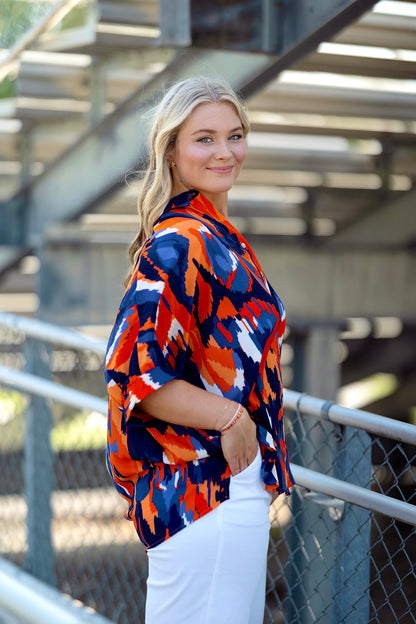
point(326, 198)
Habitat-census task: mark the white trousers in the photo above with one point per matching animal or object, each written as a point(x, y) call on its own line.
point(214, 571)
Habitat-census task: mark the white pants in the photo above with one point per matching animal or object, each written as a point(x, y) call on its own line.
point(214, 571)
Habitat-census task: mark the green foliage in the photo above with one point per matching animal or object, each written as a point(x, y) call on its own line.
point(76, 431)
point(76, 18)
point(16, 17)
point(7, 88)
point(80, 432)
point(12, 428)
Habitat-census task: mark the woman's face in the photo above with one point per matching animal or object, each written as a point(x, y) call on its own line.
point(209, 152)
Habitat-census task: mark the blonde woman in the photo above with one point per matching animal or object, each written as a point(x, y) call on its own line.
point(195, 436)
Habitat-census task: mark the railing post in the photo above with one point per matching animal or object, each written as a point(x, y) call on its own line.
point(295, 562)
point(351, 583)
point(39, 470)
point(315, 372)
point(322, 379)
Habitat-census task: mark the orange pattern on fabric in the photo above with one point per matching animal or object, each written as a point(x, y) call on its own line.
point(198, 307)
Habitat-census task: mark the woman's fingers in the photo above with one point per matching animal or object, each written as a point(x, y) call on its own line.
point(239, 444)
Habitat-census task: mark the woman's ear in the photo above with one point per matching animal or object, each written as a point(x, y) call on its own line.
point(170, 154)
point(170, 157)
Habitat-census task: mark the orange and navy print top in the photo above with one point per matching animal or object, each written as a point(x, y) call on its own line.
point(198, 307)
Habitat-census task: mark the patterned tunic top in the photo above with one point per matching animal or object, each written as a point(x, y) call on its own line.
point(198, 307)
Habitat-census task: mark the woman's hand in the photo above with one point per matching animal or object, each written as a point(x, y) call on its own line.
point(274, 496)
point(182, 403)
point(239, 444)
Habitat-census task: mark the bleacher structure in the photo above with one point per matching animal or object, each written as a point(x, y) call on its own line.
point(331, 160)
point(326, 195)
point(326, 198)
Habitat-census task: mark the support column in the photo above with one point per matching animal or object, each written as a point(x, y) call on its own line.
point(351, 583)
point(316, 372)
point(333, 561)
point(26, 156)
point(39, 471)
point(97, 91)
point(321, 380)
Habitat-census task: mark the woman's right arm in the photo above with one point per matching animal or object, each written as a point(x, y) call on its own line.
point(182, 403)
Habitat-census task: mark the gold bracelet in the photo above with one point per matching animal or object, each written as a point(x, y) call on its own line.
point(222, 412)
point(237, 415)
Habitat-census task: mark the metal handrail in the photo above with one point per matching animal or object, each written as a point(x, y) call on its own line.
point(355, 494)
point(304, 477)
point(52, 334)
point(303, 403)
point(359, 419)
point(32, 384)
point(30, 600)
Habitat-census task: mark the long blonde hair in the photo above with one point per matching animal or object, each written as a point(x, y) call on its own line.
point(169, 116)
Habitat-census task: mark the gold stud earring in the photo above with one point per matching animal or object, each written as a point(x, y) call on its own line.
point(171, 164)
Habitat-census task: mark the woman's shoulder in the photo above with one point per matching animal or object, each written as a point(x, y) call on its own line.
point(172, 247)
point(179, 229)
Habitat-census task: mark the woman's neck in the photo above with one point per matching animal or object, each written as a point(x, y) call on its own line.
point(219, 201)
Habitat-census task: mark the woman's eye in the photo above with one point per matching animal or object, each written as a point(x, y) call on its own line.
point(236, 137)
point(205, 139)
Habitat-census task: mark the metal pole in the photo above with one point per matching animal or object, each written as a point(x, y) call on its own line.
point(351, 582)
point(295, 563)
point(321, 379)
point(336, 491)
point(39, 471)
point(31, 601)
point(31, 384)
point(97, 91)
point(52, 334)
point(313, 407)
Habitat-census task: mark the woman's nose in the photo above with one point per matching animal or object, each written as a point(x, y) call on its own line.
point(223, 150)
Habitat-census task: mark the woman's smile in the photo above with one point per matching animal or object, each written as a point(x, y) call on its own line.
point(220, 169)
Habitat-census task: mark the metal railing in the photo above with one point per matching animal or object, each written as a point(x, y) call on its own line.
point(339, 415)
point(338, 545)
point(28, 599)
point(52, 334)
point(309, 479)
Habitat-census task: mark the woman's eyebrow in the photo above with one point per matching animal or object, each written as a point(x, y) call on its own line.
point(211, 131)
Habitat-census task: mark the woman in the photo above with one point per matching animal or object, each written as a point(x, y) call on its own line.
point(195, 435)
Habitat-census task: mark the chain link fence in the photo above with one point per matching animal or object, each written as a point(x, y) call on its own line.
point(82, 544)
point(61, 519)
point(333, 562)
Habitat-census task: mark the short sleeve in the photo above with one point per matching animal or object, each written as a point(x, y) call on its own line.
point(150, 338)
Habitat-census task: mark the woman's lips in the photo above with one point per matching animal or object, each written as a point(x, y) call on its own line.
point(220, 169)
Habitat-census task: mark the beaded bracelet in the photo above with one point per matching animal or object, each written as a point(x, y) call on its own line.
point(237, 415)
